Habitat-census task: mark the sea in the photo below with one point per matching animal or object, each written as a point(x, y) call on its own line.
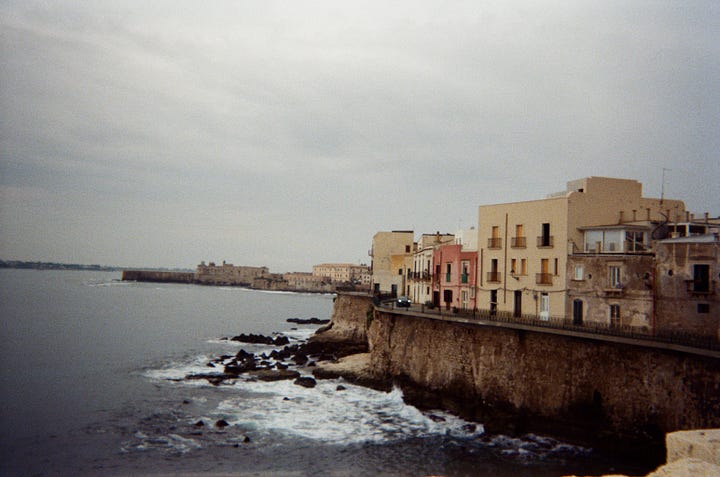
point(93, 383)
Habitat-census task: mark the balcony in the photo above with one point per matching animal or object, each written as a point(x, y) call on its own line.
point(545, 241)
point(494, 242)
point(518, 242)
point(493, 277)
point(543, 279)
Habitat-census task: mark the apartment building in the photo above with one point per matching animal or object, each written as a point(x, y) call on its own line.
point(392, 259)
point(422, 266)
point(524, 246)
point(454, 280)
point(342, 272)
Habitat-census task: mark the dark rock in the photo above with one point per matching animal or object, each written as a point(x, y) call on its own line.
point(272, 375)
point(246, 440)
point(311, 364)
point(210, 365)
point(213, 378)
point(199, 424)
point(300, 358)
point(280, 365)
point(436, 418)
point(306, 382)
point(308, 321)
point(260, 339)
point(222, 423)
point(340, 388)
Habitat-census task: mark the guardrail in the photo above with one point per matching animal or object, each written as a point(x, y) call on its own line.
point(567, 324)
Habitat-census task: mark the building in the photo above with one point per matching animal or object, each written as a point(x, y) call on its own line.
point(306, 281)
point(343, 273)
point(523, 247)
point(228, 274)
point(392, 255)
point(454, 280)
point(687, 274)
point(420, 281)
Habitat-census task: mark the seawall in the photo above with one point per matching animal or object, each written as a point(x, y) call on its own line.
point(158, 276)
point(503, 376)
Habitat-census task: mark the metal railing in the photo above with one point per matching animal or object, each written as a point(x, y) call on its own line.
point(682, 338)
point(545, 241)
point(493, 277)
point(543, 279)
point(518, 242)
point(495, 242)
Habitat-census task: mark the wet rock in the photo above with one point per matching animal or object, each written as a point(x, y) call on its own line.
point(199, 424)
point(306, 382)
point(274, 375)
point(246, 440)
point(436, 418)
point(340, 388)
point(280, 365)
point(260, 339)
point(308, 321)
point(213, 378)
point(300, 358)
point(222, 423)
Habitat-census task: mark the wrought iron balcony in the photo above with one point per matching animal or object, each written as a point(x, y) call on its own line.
point(518, 242)
point(494, 242)
point(545, 241)
point(543, 279)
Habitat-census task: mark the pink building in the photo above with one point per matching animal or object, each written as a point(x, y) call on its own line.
point(455, 277)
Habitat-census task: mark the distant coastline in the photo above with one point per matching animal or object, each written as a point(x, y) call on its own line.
point(21, 264)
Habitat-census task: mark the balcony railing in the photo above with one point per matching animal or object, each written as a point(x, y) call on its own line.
point(495, 242)
point(543, 279)
point(493, 277)
point(545, 241)
point(518, 242)
point(464, 278)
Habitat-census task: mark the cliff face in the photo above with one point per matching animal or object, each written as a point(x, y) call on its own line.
point(349, 319)
point(605, 386)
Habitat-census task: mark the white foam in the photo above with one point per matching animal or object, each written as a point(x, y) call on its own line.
point(354, 415)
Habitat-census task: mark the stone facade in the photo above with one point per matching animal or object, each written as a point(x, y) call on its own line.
point(228, 274)
point(343, 273)
point(688, 277)
point(391, 259)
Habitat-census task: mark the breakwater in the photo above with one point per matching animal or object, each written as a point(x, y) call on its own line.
point(519, 379)
point(158, 276)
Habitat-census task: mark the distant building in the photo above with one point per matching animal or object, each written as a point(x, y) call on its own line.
point(306, 281)
point(228, 274)
point(342, 273)
point(420, 281)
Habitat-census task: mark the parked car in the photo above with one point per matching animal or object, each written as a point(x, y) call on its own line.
point(403, 301)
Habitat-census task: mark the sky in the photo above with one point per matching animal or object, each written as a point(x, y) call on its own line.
point(163, 133)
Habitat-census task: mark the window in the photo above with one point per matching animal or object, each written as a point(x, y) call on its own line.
point(579, 273)
point(448, 271)
point(614, 315)
point(513, 266)
point(545, 237)
point(614, 277)
point(523, 266)
point(701, 278)
point(407, 248)
point(465, 266)
point(399, 271)
point(635, 241)
point(556, 267)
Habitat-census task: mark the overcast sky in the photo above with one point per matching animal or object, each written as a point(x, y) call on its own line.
point(163, 133)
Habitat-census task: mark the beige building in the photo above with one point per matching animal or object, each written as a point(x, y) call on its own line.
point(306, 281)
point(524, 246)
point(228, 274)
point(343, 273)
point(392, 257)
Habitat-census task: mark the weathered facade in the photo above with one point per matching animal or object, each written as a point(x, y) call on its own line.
point(455, 276)
point(687, 277)
point(420, 280)
point(228, 274)
point(343, 273)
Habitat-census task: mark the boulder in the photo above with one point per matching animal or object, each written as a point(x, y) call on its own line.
point(274, 375)
point(306, 382)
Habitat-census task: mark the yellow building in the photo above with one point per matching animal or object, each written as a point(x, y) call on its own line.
point(524, 246)
point(342, 272)
point(392, 258)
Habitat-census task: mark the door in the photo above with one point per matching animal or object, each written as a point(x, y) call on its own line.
point(517, 304)
point(544, 306)
point(577, 312)
point(493, 302)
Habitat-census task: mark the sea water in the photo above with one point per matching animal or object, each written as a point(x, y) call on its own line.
point(93, 383)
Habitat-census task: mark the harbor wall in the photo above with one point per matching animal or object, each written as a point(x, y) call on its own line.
point(158, 276)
